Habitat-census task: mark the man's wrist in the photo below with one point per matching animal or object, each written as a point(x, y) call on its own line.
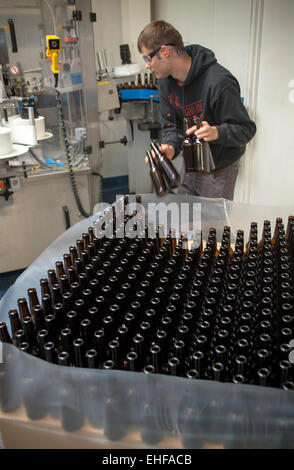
point(215, 133)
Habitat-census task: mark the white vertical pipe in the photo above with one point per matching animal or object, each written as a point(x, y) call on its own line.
point(257, 12)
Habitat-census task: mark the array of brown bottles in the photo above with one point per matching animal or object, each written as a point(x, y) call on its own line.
point(162, 171)
point(148, 82)
point(218, 312)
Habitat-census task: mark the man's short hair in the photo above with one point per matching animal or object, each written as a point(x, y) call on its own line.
point(158, 33)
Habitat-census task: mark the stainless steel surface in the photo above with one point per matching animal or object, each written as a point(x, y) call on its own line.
point(141, 111)
point(107, 95)
point(100, 63)
point(33, 217)
point(87, 54)
point(107, 68)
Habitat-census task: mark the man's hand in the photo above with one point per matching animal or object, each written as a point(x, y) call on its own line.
point(206, 132)
point(167, 149)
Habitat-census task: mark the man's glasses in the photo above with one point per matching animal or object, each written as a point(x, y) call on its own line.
point(148, 57)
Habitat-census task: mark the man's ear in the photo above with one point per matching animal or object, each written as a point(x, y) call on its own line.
point(164, 51)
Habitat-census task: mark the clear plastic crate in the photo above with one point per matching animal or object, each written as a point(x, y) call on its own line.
point(49, 406)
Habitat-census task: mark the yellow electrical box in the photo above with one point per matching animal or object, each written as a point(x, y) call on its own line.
point(53, 47)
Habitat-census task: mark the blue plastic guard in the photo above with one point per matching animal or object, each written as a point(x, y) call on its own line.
point(138, 94)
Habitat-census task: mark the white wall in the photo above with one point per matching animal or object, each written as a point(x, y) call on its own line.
point(120, 22)
point(108, 29)
point(273, 157)
point(223, 26)
point(135, 15)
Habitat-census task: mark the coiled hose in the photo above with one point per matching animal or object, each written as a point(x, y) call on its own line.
point(68, 156)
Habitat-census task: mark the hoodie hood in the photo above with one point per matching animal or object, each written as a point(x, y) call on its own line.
point(202, 58)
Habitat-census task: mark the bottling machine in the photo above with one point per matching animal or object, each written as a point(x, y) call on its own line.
point(49, 153)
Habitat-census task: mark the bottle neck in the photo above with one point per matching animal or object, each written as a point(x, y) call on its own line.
point(151, 161)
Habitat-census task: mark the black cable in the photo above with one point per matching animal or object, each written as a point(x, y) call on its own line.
point(68, 156)
point(56, 79)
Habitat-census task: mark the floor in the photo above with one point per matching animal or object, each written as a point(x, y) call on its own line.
point(113, 186)
point(7, 279)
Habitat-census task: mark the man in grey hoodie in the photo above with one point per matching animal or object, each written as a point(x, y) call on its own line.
point(191, 83)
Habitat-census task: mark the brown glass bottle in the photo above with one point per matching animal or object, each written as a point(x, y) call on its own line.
point(156, 176)
point(174, 366)
point(19, 337)
point(263, 376)
point(4, 334)
point(42, 339)
point(51, 326)
point(279, 223)
point(192, 374)
point(284, 369)
point(218, 371)
point(131, 361)
point(59, 269)
point(15, 322)
point(266, 234)
point(23, 308)
point(251, 245)
point(47, 305)
point(56, 294)
point(80, 247)
point(64, 284)
point(52, 277)
point(71, 274)
point(38, 317)
point(30, 333)
point(73, 254)
point(79, 352)
point(63, 359)
point(45, 290)
point(152, 85)
point(188, 148)
point(168, 169)
point(288, 385)
point(202, 164)
point(139, 81)
point(33, 298)
point(50, 354)
point(66, 261)
point(92, 359)
point(146, 80)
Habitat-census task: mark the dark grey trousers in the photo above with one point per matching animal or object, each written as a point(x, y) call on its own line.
point(217, 184)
